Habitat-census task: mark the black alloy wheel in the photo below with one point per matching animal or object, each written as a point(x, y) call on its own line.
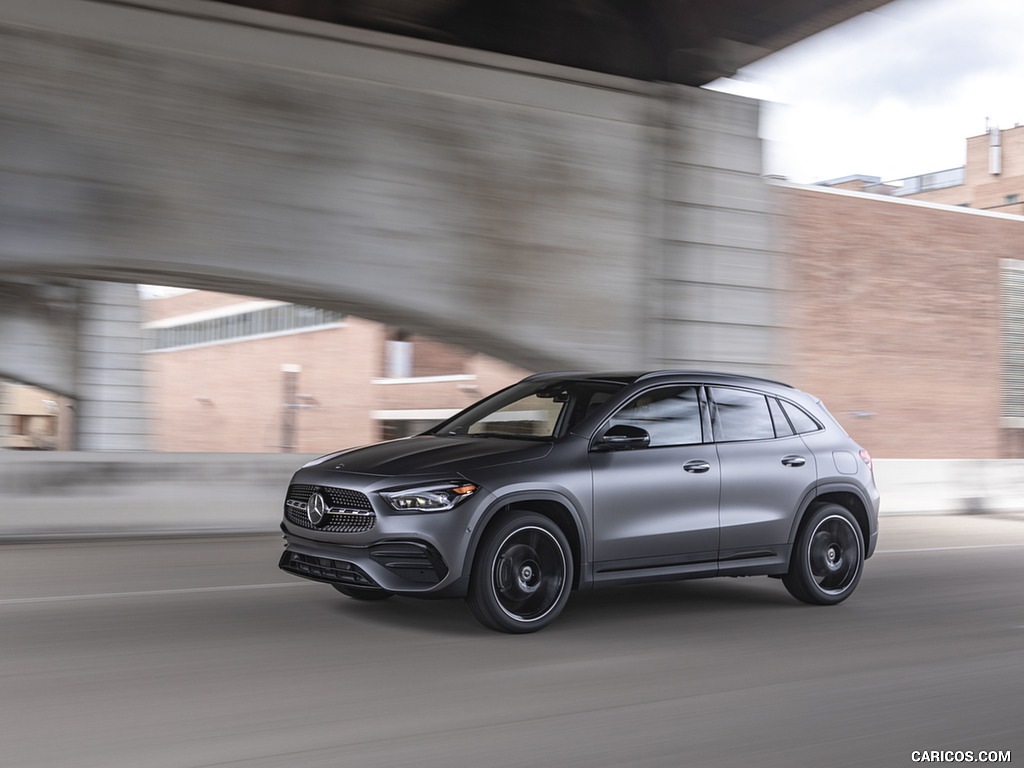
point(522, 575)
point(828, 557)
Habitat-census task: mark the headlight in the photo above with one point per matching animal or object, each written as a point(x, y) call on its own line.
point(429, 498)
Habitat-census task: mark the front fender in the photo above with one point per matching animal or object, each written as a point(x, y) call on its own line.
point(571, 507)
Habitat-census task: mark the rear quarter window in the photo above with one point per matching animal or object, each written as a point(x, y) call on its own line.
point(802, 421)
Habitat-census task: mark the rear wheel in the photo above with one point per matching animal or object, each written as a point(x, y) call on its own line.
point(828, 557)
point(362, 593)
point(522, 575)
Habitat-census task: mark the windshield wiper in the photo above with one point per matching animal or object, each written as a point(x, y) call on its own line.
point(502, 436)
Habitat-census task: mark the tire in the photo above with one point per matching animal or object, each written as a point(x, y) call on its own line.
point(828, 557)
point(522, 575)
point(362, 593)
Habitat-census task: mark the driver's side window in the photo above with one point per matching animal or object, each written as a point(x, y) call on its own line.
point(671, 415)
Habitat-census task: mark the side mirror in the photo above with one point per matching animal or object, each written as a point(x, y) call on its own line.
point(623, 437)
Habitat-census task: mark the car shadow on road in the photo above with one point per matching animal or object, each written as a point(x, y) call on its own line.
point(695, 598)
point(450, 616)
point(592, 610)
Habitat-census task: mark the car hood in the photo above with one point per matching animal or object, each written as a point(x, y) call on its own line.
point(432, 454)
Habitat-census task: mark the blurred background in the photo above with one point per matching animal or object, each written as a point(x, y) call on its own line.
point(285, 227)
point(235, 235)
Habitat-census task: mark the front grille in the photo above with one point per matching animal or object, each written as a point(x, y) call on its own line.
point(359, 520)
point(336, 497)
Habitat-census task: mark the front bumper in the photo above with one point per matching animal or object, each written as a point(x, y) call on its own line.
point(395, 566)
point(360, 541)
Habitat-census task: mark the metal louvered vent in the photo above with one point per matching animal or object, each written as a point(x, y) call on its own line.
point(1012, 337)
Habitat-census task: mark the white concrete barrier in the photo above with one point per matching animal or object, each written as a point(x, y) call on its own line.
point(959, 486)
point(105, 494)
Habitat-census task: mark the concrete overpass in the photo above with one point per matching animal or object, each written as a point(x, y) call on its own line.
point(691, 42)
point(549, 215)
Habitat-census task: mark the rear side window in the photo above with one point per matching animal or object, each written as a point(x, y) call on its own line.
point(782, 425)
point(802, 421)
point(741, 415)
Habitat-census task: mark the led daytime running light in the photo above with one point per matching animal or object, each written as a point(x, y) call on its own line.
point(433, 498)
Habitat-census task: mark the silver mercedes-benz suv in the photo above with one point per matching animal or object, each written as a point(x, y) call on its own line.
point(581, 480)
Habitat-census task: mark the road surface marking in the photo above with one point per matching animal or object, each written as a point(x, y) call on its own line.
point(948, 549)
point(150, 593)
point(285, 585)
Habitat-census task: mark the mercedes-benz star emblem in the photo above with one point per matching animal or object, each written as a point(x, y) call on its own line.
point(316, 508)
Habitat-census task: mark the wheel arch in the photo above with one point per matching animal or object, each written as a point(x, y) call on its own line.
point(845, 496)
point(550, 505)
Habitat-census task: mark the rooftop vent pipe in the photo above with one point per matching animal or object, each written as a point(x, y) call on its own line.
point(995, 151)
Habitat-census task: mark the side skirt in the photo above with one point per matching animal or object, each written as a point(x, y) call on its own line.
point(773, 562)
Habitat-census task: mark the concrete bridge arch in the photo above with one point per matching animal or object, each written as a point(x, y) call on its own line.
point(545, 215)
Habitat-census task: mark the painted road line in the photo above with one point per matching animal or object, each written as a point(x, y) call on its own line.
point(150, 593)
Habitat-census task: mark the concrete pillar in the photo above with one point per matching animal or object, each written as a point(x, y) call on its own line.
point(112, 412)
point(5, 418)
point(717, 279)
point(38, 320)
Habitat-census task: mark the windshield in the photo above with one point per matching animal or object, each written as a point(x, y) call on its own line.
point(531, 410)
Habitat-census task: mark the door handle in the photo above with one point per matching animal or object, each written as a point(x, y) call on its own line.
point(696, 466)
point(793, 461)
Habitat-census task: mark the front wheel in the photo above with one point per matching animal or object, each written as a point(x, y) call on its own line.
point(828, 557)
point(522, 575)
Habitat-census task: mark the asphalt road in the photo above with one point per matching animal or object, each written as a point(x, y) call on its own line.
point(199, 652)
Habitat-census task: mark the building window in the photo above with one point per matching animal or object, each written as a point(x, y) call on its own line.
point(1012, 341)
point(279, 319)
point(392, 429)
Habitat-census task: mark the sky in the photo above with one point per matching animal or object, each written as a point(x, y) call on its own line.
point(891, 93)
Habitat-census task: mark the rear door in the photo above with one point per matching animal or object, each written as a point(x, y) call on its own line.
point(766, 472)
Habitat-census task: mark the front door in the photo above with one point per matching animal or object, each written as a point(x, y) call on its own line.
point(657, 505)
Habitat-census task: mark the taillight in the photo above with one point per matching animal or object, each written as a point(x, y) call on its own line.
point(867, 458)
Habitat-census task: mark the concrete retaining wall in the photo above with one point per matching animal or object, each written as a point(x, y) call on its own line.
point(87, 493)
point(101, 494)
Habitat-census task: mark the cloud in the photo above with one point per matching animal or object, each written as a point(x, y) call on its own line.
point(918, 56)
point(894, 92)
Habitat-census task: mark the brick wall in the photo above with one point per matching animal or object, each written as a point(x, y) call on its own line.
point(229, 396)
point(895, 319)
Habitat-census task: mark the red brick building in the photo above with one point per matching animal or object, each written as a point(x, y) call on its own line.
point(945, 285)
point(901, 322)
point(991, 179)
point(235, 374)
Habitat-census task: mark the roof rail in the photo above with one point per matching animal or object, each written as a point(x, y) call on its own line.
point(717, 374)
point(550, 374)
